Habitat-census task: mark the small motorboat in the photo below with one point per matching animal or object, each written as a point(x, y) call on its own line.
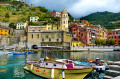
point(100, 66)
point(57, 68)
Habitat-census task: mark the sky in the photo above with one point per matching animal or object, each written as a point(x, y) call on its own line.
point(79, 8)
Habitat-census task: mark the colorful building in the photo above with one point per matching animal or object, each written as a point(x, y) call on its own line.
point(52, 27)
point(4, 31)
point(114, 34)
point(34, 19)
point(87, 33)
point(21, 25)
point(56, 14)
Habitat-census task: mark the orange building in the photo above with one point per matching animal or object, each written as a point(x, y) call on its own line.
point(4, 31)
point(114, 34)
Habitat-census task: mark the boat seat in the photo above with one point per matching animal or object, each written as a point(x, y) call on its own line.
point(69, 66)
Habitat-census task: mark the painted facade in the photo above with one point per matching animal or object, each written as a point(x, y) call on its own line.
point(114, 34)
point(21, 25)
point(87, 33)
point(56, 14)
point(34, 19)
point(52, 27)
point(4, 31)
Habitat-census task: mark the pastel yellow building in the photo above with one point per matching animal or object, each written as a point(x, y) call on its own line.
point(21, 25)
point(101, 34)
point(52, 27)
point(77, 43)
point(4, 31)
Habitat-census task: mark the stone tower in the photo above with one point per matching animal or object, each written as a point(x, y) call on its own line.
point(64, 21)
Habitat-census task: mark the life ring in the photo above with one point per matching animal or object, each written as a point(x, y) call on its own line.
point(37, 70)
point(44, 72)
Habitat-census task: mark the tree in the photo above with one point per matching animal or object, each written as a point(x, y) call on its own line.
point(97, 42)
point(7, 15)
point(111, 42)
point(119, 42)
point(104, 42)
point(12, 25)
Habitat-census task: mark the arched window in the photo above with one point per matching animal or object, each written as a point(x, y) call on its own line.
point(32, 36)
point(64, 22)
point(49, 39)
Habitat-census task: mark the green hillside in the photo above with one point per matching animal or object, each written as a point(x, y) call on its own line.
point(107, 19)
point(14, 11)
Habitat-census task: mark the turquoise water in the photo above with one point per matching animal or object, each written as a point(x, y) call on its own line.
point(11, 66)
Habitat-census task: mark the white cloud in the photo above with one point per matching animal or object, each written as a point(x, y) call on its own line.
point(79, 8)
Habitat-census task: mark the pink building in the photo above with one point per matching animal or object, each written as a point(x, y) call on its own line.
point(87, 35)
point(56, 14)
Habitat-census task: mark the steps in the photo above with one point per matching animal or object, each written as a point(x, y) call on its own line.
point(114, 71)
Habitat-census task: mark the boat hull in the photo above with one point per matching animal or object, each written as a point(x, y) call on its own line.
point(69, 73)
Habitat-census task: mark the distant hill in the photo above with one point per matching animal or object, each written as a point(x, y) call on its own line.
point(107, 19)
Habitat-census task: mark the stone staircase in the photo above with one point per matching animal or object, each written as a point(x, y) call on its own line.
point(114, 71)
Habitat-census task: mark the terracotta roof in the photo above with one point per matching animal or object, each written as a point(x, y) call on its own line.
point(64, 11)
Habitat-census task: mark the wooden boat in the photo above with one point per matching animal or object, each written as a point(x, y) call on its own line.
point(57, 70)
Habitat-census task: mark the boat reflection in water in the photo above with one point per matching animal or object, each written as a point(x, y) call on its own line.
point(3, 61)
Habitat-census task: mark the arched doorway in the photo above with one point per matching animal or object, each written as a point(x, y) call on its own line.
point(34, 47)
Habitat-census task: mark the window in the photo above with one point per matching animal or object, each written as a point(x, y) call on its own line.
point(32, 36)
point(57, 28)
point(114, 32)
point(31, 20)
point(46, 36)
point(5, 31)
point(118, 36)
point(64, 15)
point(57, 39)
point(64, 22)
point(42, 39)
point(115, 36)
point(48, 27)
point(49, 39)
point(38, 36)
point(52, 27)
point(31, 17)
point(35, 20)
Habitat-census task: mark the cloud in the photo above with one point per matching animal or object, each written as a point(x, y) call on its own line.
point(79, 8)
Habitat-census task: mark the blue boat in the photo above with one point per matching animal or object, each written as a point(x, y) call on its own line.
point(18, 53)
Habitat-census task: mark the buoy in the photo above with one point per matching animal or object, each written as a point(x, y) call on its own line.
point(52, 73)
point(31, 66)
point(63, 74)
point(44, 72)
point(37, 70)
